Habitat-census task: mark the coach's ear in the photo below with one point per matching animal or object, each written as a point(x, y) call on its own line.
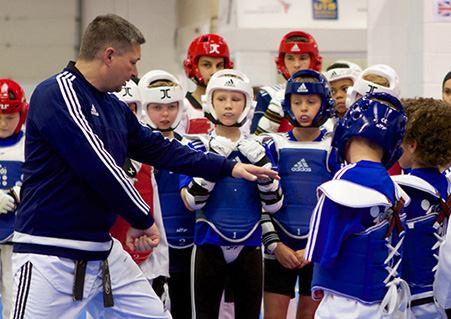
point(108, 55)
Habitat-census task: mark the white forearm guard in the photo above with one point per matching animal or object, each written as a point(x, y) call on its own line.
point(254, 152)
point(270, 194)
point(198, 192)
point(269, 233)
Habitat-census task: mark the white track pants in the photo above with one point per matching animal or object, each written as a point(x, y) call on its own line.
point(43, 288)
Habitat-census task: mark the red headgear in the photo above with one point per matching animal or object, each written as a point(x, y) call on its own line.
point(13, 103)
point(309, 47)
point(210, 45)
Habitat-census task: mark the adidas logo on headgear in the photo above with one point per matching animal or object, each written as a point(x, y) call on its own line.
point(295, 48)
point(229, 83)
point(302, 89)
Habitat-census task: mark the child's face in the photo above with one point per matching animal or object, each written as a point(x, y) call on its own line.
point(296, 61)
point(339, 89)
point(8, 124)
point(447, 91)
point(229, 105)
point(406, 159)
point(132, 107)
point(305, 107)
point(163, 115)
point(208, 66)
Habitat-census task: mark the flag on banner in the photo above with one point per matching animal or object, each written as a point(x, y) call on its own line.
point(442, 10)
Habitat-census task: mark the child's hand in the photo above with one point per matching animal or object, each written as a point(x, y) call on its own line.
point(318, 294)
point(300, 257)
point(185, 201)
point(286, 256)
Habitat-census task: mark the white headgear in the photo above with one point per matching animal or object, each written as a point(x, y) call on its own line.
point(364, 87)
point(161, 95)
point(352, 71)
point(130, 94)
point(229, 80)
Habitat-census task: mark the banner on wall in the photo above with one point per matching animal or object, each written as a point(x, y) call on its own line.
point(325, 9)
point(442, 10)
point(299, 14)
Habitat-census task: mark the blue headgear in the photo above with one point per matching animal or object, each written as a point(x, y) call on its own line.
point(375, 121)
point(322, 88)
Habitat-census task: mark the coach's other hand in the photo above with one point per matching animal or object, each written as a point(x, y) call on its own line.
point(143, 240)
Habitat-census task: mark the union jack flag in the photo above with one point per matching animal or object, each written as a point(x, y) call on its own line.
point(444, 8)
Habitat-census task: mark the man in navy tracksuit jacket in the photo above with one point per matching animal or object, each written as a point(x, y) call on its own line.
point(78, 136)
point(74, 184)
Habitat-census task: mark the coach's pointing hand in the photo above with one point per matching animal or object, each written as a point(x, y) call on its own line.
point(252, 172)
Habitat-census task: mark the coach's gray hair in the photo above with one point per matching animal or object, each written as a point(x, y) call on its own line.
point(109, 30)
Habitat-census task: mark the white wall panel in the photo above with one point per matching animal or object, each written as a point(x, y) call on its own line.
point(37, 38)
point(157, 19)
point(403, 34)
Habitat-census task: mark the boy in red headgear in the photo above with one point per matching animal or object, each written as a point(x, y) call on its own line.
point(298, 50)
point(207, 54)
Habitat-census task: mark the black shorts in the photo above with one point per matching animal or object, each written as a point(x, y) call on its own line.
point(281, 280)
point(209, 276)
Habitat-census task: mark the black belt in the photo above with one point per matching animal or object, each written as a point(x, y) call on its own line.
point(422, 301)
point(79, 282)
point(79, 279)
point(106, 283)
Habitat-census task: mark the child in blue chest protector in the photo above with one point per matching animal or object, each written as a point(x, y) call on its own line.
point(162, 110)
point(13, 113)
point(357, 227)
point(304, 161)
point(427, 146)
point(228, 232)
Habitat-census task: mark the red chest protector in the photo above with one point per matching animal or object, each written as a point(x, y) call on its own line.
point(143, 183)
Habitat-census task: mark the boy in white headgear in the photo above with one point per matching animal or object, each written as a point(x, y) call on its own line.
point(228, 231)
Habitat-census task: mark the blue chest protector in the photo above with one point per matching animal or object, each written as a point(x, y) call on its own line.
point(233, 209)
point(369, 260)
point(11, 159)
point(302, 168)
point(178, 220)
point(421, 242)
